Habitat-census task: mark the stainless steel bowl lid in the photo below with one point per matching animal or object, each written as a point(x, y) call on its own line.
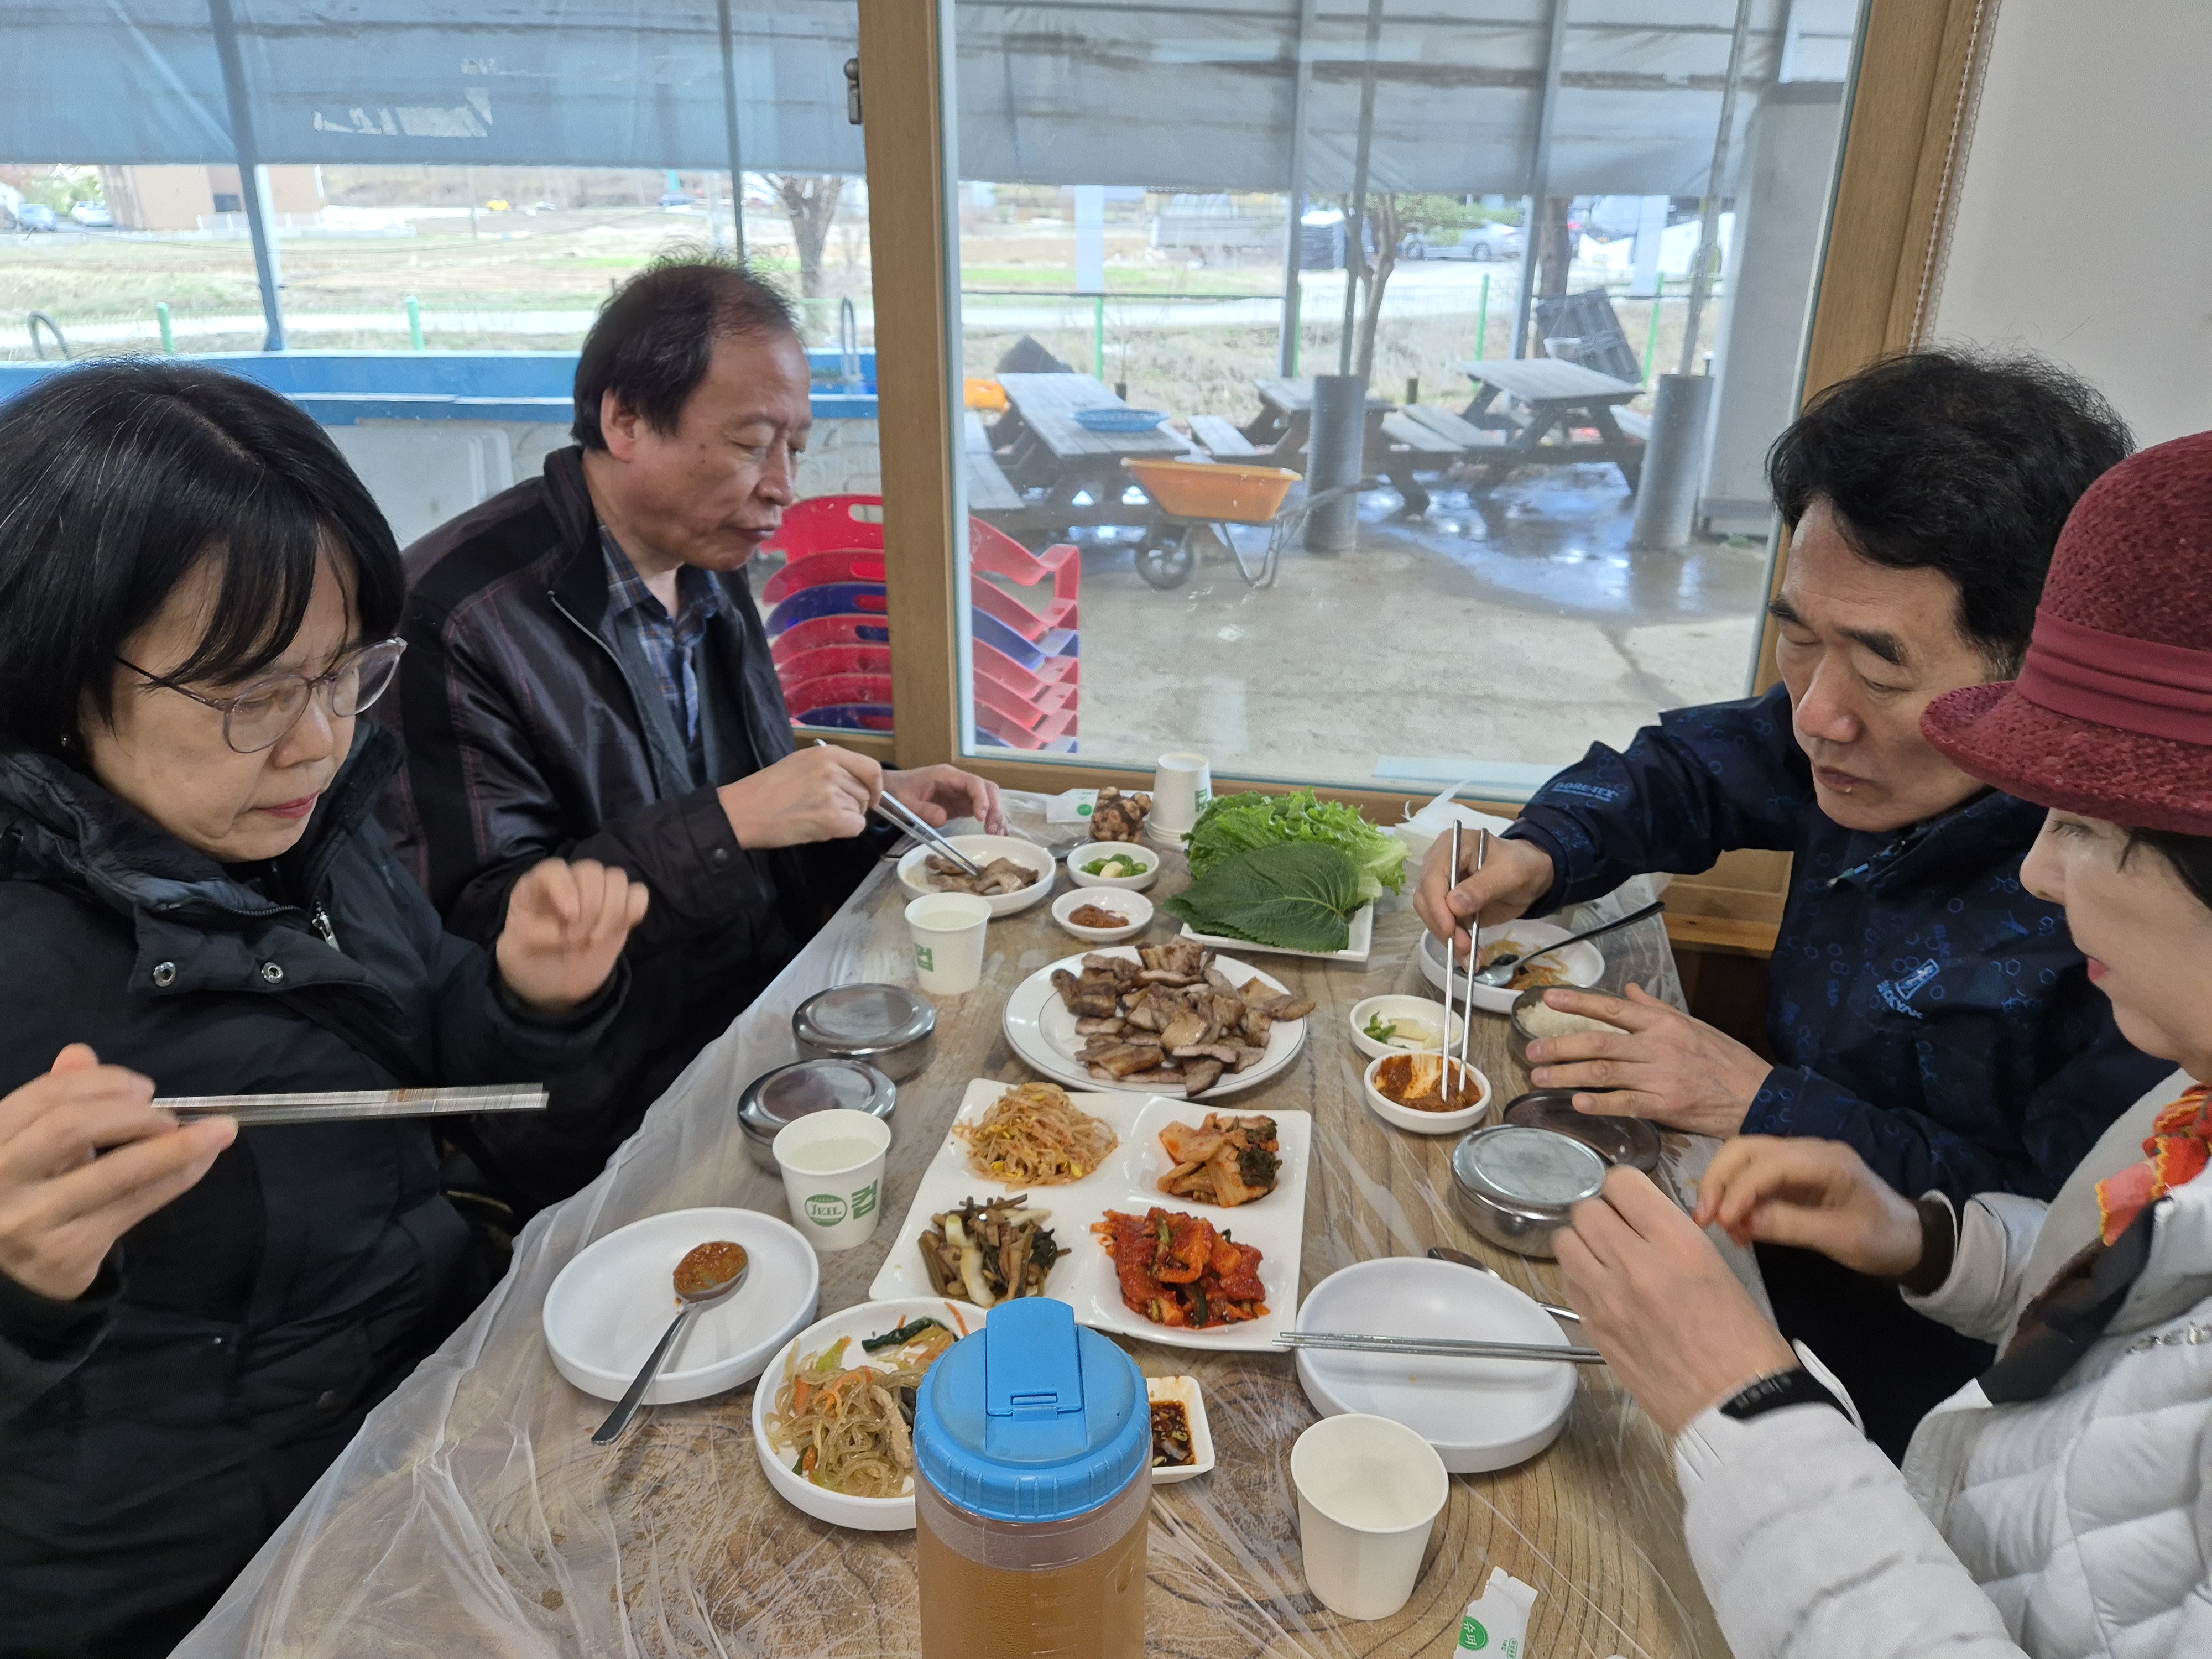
point(790, 1092)
point(1629, 1140)
point(1527, 1168)
point(863, 1020)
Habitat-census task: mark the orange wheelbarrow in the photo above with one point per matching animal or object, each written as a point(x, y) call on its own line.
point(1189, 497)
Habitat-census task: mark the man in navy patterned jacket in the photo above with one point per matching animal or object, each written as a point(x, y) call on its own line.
point(1922, 1006)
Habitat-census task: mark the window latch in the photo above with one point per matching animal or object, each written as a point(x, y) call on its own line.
point(852, 90)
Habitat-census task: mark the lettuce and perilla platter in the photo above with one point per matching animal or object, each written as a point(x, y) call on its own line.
point(1285, 871)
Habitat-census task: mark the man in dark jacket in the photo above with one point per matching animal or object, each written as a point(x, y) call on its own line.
point(1922, 1005)
point(587, 676)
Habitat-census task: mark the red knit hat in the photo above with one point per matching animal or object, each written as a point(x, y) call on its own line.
point(2112, 714)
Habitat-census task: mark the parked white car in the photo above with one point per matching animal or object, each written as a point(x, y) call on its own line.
point(1492, 241)
point(93, 214)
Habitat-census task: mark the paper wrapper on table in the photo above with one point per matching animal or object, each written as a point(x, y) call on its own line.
point(1421, 829)
point(471, 1514)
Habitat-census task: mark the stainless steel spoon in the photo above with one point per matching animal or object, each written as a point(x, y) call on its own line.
point(1495, 974)
point(618, 1420)
point(1462, 1259)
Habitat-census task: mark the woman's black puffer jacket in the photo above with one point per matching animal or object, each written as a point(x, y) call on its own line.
point(154, 1432)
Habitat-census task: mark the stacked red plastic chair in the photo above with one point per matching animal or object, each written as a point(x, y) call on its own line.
point(828, 626)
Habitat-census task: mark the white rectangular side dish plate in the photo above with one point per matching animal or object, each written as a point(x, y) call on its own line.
point(1083, 1277)
point(1357, 949)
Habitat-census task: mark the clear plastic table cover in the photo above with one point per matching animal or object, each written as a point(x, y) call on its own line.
point(472, 1514)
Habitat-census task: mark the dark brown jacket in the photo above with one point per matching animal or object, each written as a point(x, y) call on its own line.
point(529, 736)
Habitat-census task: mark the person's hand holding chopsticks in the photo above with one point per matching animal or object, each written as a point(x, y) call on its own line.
point(819, 793)
point(566, 925)
point(84, 1158)
point(1514, 874)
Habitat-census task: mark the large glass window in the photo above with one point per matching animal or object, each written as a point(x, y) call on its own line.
point(1511, 222)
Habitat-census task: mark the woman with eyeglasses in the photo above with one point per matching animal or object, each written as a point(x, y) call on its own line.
point(196, 601)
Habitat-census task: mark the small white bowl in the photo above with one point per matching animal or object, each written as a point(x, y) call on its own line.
point(1424, 1123)
point(1399, 1007)
point(611, 1302)
point(1183, 1390)
point(1478, 1414)
point(983, 850)
point(1135, 906)
point(1091, 852)
point(1584, 962)
point(863, 1320)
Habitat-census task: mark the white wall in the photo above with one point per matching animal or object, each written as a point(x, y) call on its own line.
point(2083, 228)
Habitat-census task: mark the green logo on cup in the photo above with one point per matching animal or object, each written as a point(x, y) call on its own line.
point(925, 958)
point(1473, 1639)
point(864, 1201)
point(827, 1209)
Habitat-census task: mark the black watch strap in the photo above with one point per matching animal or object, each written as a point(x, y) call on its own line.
point(1795, 1387)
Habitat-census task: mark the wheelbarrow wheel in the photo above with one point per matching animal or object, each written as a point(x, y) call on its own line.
point(1167, 565)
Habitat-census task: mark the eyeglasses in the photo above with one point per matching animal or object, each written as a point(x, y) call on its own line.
point(259, 717)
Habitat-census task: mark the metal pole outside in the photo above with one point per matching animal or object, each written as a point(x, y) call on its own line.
point(253, 181)
point(1540, 172)
point(1355, 245)
point(730, 129)
point(1286, 353)
point(1709, 210)
point(161, 316)
point(1482, 321)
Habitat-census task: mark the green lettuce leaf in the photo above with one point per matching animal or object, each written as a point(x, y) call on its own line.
point(1231, 824)
point(1294, 895)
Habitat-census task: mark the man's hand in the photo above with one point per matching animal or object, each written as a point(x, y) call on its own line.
point(1515, 875)
point(817, 794)
point(84, 1158)
point(1677, 1328)
point(1817, 1195)
point(566, 924)
point(1661, 1065)
point(941, 794)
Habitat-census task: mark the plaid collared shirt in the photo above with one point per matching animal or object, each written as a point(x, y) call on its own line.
point(671, 643)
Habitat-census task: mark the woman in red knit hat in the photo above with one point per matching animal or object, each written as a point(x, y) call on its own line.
point(2061, 1504)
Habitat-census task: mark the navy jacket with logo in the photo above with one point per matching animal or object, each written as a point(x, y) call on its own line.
point(1924, 1006)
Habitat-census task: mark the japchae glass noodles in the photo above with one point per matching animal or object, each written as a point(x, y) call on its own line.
point(850, 1427)
point(1035, 1136)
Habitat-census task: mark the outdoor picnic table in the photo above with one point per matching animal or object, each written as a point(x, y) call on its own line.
point(1040, 444)
point(1391, 450)
point(1545, 394)
point(472, 1514)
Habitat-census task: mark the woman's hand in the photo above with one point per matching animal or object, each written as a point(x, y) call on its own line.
point(1679, 1330)
point(941, 794)
point(566, 924)
point(1817, 1195)
point(84, 1158)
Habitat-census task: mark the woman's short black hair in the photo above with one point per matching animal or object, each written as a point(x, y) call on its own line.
point(116, 479)
point(1962, 462)
point(653, 341)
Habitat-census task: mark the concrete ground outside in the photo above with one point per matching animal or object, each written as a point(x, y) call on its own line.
point(1515, 628)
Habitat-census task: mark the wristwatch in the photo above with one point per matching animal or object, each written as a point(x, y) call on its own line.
point(1770, 1393)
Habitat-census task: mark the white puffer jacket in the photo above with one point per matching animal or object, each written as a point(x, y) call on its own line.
point(2076, 1525)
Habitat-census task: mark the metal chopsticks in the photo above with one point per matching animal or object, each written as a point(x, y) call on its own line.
point(351, 1105)
point(1439, 1347)
point(895, 812)
point(1452, 972)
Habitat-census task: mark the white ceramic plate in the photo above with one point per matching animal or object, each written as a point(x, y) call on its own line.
point(1427, 1009)
point(1425, 1123)
point(1090, 852)
point(611, 1303)
point(866, 1319)
point(1042, 1031)
point(1584, 962)
point(1357, 949)
point(1478, 1414)
point(983, 850)
point(1134, 905)
point(1129, 1182)
point(1184, 1391)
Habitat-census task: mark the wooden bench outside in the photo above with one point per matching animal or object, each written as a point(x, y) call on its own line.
point(1218, 436)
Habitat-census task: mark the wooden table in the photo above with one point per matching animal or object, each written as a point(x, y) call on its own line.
point(473, 1515)
point(1544, 394)
point(1040, 445)
point(1281, 433)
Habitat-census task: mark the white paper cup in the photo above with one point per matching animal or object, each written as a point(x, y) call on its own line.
point(948, 941)
point(1181, 788)
point(1369, 1491)
point(833, 1176)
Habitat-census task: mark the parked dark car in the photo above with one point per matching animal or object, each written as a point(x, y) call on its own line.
point(36, 216)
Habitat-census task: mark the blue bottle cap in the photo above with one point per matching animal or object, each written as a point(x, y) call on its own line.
point(1031, 1418)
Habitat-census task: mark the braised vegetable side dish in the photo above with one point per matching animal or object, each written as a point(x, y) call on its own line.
point(1170, 1017)
point(989, 1253)
point(1036, 1136)
point(850, 1427)
point(1176, 1270)
point(1225, 1160)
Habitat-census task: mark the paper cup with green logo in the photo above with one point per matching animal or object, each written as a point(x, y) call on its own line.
point(948, 932)
point(833, 1176)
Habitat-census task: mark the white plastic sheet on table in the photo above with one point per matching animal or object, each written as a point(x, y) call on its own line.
point(471, 1515)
